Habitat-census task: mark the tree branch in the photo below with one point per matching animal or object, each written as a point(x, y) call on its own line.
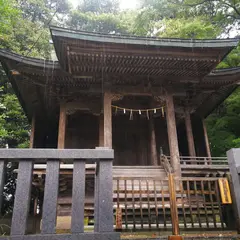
point(233, 7)
point(191, 5)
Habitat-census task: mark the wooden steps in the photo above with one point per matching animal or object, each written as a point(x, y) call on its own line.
point(129, 182)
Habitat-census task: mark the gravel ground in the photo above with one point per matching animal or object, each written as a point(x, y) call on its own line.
point(189, 238)
point(153, 236)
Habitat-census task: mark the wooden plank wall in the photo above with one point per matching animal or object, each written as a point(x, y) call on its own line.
point(199, 136)
point(131, 138)
point(82, 131)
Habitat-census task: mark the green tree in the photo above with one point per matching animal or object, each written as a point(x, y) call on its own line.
point(104, 23)
point(97, 6)
point(224, 13)
point(195, 28)
point(9, 16)
point(42, 11)
point(151, 12)
point(223, 126)
point(232, 60)
point(23, 29)
point(14, 127)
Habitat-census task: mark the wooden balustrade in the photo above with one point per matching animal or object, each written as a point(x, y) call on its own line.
point(204, 166)
point(201, 166)
point(204, 160)
point(180, 204)
point(187, 160)
point(103, 214)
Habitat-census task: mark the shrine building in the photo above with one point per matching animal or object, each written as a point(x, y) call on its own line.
point(146, 98)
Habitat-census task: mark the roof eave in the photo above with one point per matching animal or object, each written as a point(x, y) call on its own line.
point(157, 42)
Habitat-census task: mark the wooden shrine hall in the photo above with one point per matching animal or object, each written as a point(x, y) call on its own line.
point(71, 102)
point(145, 98)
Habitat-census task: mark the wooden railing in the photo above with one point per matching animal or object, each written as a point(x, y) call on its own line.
point(202, 166)
point(165, 162)
point(178, 204)
point(204, 160)
point(103, 213)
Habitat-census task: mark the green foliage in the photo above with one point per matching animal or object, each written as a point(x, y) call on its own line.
point(232, 60)
point(195, 28)
point(223, 126)
point(104, 23)
point(8, 19)
point(14, 126)
point(96, 6)
point(151, 12)
point(224, 13)
point(41, 11)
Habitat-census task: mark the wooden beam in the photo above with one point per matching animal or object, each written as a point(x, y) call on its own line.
point(165, 54)
point(172, 135)
point(62, 126)
point(101, 130)
point(207, 145)
point(153, 147)
point(130, 90)
point(152, 70)
point(31, 145)
point(107, 119)
point(69, 61)
point(190, 139)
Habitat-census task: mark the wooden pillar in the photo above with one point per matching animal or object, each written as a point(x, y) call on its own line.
point(101, 131)
point(173, 204)
point(31, 145)
point(172, 135)
point(62, 126)
point(208, 151)
point(107, 119)
point(190, 139)
point(141, 150)
point(153, 147)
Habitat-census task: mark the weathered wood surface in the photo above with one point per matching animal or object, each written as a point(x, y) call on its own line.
point(107, 121)
point(190, 139)
point(153, 147)
point(62, 126)
point(32, 135)
point(101, 131)
point(173, 206)
point(197, 204)
point(208, 150)
point(172, 134)
point(207, 167)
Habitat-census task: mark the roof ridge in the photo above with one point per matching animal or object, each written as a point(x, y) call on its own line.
point(71, 30)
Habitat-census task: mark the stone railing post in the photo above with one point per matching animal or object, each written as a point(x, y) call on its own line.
point(233, 156)
point(103, 216)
